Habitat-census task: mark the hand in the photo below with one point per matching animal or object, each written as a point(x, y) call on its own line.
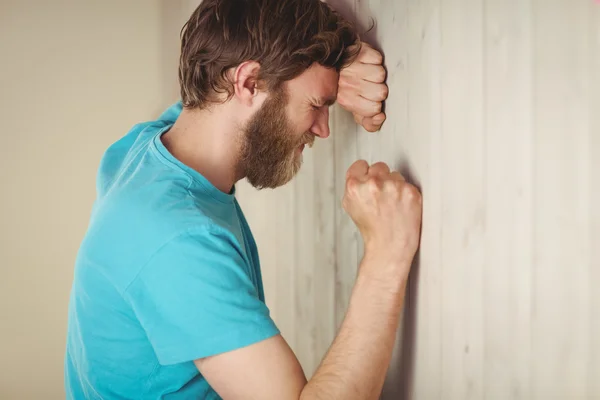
point(362, 89)
point(385, 208)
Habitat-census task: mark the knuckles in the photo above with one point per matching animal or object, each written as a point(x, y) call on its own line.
point(385, 91)
point(380, 185)
point(370, 54)
point(341, 99)
point(376, 108)
point(374, 184)
point(379, 76)
point(411, 193)
point(351, 185)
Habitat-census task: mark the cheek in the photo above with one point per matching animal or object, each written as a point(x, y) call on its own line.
point(305, 122)
point(301, 119)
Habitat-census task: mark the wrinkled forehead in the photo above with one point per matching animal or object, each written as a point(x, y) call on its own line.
point(316, 82)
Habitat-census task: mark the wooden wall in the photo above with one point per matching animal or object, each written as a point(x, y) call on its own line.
point(494, 111)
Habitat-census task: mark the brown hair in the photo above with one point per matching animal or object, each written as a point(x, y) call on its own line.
point(284, 36)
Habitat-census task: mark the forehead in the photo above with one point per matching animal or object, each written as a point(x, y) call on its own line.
point(316, 82)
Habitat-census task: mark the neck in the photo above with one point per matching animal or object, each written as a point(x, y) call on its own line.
point(208, 142)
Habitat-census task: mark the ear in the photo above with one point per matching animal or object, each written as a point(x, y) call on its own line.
point(245, 82)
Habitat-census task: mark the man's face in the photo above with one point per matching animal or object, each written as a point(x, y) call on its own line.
point(287, 121)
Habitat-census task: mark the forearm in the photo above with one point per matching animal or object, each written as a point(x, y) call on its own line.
point(357, 362)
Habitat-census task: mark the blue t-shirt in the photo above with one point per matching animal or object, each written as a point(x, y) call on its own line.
point(167, 273)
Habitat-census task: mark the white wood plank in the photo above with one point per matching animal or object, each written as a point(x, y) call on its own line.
point(343, 130)
point(255, 207)
point(391, 145)
point(424, 153)
point(324, 243)
point(344, 133)
point(494, 109)
point(463, 213)
point(283, 239)
point(304, 273)
point(347, 238)
point(508, 152)
point(594, 187)
point(561, 307)
point(314, 275)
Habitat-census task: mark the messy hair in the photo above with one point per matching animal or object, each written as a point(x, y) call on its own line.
point(284, 36)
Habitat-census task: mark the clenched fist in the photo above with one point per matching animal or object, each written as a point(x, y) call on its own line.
point(362, 88)
point(385, 208)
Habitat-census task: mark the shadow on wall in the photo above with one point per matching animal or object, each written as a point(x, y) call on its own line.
point(399, 382)
point(399, 385)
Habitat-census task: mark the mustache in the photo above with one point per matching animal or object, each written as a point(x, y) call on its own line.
point(308, 139)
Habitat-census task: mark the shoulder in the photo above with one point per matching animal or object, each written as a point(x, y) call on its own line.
point(204, 241)
point(204, 260)
point(130, 229)
point(195, 297)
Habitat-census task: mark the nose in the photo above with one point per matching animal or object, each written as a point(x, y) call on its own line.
point(321, 126)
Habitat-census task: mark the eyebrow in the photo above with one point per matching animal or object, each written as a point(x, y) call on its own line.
point(326, 101)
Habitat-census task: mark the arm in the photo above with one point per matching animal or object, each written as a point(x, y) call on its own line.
point(386, 210)
point(356, 365)
point(362, 89)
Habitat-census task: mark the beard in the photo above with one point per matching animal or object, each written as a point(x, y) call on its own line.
point(269, 156)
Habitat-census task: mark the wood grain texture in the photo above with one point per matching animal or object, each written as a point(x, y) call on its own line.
point(314, 283)
point(325, 254)
point(508, 195)
point(346, 235)
point(594, 185)
point(305, 269)
point(344, 134)
point(282, 236)
point(419, 346)
point(560, 323)
point(493, 113)
point(464, 206)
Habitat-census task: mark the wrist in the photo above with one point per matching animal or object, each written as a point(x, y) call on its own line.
point(388, 253)
point(385, 269)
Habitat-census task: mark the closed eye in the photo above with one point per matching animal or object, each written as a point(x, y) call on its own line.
point(321, 104)
point(321, 107)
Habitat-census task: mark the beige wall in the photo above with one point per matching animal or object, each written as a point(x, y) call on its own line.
point(74, 77)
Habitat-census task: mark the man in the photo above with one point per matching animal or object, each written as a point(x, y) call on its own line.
point(167, 299)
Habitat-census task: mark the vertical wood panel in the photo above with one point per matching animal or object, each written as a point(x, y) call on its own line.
point(463, 214)
point(391, 145)
point(560, 310)
point(593, 14)
point(304, 274)
point(507, 276)
point(344, 133)
point(493, 109)
point(282, 241)
point(256, 205)
point(425, 155)
point(324, 242)
point(346, 261)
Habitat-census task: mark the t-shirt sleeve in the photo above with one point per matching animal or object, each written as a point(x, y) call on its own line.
point(195, 298)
